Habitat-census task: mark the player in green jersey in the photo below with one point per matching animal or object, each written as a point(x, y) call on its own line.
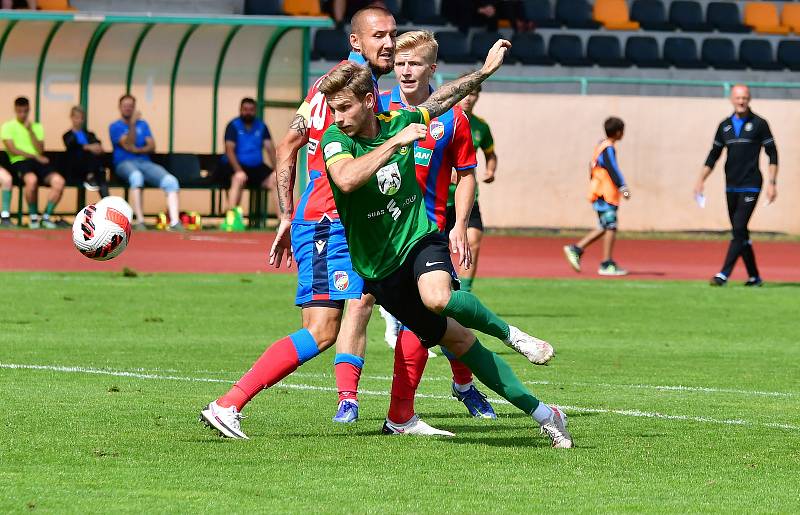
point(399, 252)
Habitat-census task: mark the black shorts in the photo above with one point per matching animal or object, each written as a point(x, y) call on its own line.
point(32, 166)
point(399, 293)
point(475, 220)
point(256, 175)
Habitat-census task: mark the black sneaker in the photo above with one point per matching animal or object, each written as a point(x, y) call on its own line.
point(5, 222)
point(718, 280)
point(754, 282)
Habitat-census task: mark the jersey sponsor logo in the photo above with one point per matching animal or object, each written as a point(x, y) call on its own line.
point(341, 280)
point(394, 210)
point(437, 130)
point(312, 146)
point(389, 179)
point(749, 199)
point(403, 150)
point(422, 156)
point(332, 148)
point(320, 244)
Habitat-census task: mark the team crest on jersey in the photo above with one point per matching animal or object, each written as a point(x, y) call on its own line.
point(437, 130)
point(422, 156)
point(476, 135)
point(341, 280)
point(748, 126)
point(403, 150)
point(389, 179)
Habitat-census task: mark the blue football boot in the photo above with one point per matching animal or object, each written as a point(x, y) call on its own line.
point(348, 412)
point(475, 401)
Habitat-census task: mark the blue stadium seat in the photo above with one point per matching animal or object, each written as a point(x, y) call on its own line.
point(681, 52)
point(567, 50)
point(263, 7)
point(606, 51)
point(757, 54)
point(688, 16)
point(575, 14)
point(725, 17)
point(422, 12)
point(481, 43)
point(528, 48)
point(453, 47)
point(331, 45)
point(540, 12)
point(643, 52)
point(789, 54)
point(651, 15)
point(720, 54)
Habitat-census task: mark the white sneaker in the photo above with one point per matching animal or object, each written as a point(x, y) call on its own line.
point(415, 426)
point(225, 420)
point(537, 351)
point(556, 429)
point(392, 328)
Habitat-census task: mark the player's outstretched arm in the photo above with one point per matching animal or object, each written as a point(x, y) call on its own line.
point(451, 93)
point(464, 201)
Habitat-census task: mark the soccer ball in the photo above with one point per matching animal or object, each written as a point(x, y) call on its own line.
point(101, 231)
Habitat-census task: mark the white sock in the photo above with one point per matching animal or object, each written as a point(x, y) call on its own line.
point(45, 217)
point(462, 387)
point(542, 413)
point(5, 214)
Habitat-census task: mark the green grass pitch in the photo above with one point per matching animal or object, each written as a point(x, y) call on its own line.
point(109, 421)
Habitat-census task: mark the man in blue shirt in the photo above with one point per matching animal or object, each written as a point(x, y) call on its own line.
point(133, 143)
point(246, 139)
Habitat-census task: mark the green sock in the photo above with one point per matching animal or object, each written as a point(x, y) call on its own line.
point(466, 283)
point(33, 209)
point(51, 206)
point(495, 373)
point(6, 200)
point(467, 310)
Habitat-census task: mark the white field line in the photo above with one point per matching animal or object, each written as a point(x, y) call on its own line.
point(578, 409)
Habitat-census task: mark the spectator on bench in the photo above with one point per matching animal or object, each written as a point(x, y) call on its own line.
point(246, 139)
point(84, 156)
point(23, 140)
point(6, 182)
point(133, 143)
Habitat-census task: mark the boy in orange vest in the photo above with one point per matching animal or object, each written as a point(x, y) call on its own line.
point(607, 187)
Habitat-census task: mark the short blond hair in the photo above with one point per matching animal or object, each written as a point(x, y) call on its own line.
point(423, 40)
point(348, 76)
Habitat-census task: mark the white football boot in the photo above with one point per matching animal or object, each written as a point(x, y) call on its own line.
point(225, 420)
point(415, 426)
point(556, 429)
point(537, 351)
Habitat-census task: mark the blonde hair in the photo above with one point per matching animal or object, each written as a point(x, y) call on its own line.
point(77, 109)
point(348, 76)
point(419, 39)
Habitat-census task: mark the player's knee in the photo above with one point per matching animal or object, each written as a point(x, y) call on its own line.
point(57, 182)
point(136, 180)
point(458, 339)
point(30, 180)
point(169, 184)
point(436, 299)
point(324, 332)
point(239, 179)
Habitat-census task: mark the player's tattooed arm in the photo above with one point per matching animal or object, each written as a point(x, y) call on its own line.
point(294, 140)
point(299, 125)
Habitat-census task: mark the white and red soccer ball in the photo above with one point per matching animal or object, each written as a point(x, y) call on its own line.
point(101, 231)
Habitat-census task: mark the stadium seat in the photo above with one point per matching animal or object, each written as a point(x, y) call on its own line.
point(302, 7)
point(263, 7)
point(606, 51)
point(453, 47)
point(763, 17)
point(789, 54)
point(528, 48)
point(567, 50)
point(613, 14)
point(790, 17)
point(725, 17)
point(481, 43)
point(54, 5)
point(681, 52)
point(331, 45)
point(757, 54)
point(540, 12)
point(650, 15)
point(720, 54)
point(575, 14)
point(422, 12)
point(643, 52)
point(688, 16)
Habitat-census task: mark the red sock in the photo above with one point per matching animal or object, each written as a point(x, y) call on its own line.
point(410, 358)
point(347, 377)
point(278, 361)
point(461, 373)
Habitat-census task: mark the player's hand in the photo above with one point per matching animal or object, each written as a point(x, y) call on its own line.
point(626, 192)
point(460, 245)
point(43, 160)
point(137, 115)
point(772, 193)
point(282, 245)
point(488, 177)
point(494, 59)
point(698, 189)
point(412, 133)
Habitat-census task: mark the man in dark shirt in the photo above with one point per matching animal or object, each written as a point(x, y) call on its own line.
point(743, 134)
point(84, 156)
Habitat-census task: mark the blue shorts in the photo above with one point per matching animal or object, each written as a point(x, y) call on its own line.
point(606, 213)
point(324, 270)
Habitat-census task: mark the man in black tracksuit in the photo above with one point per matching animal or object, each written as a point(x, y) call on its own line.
point(743, 134)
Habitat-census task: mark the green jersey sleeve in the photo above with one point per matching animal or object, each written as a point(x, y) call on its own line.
point(336, 146)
